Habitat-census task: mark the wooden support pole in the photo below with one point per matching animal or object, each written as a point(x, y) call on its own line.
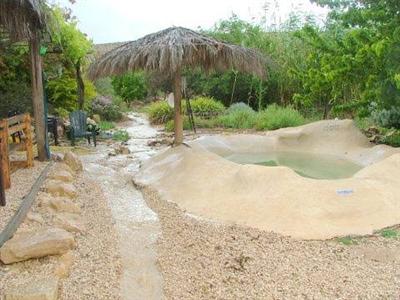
point(37, 97)
point(28, 141)
point(5, 163)
point(2, 187)
point(178, 120)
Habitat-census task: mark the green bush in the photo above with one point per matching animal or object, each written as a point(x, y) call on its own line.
point(275, 117)
point(388, 118)
point(198, 122)
point(121, 136)
point(129, 87)
point(238, 116)
point(392, 139)
point(105, 107)
point(106, 125)
point(160, 112)
point(205, 107)
point(240, 106)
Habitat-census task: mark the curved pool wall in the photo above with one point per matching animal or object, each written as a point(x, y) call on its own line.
point(199, 180)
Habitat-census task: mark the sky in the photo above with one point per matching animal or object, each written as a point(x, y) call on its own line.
point(107, 21)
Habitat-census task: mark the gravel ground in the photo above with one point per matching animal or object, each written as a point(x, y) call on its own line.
point(21, 183)
point(96, 269)
point(204, 260)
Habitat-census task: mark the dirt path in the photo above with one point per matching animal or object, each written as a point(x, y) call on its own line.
point(138, 226)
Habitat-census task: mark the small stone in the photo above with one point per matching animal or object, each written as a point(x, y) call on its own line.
point(42, 289)
point(35, 217)
point(35, 244)
point(56, 157)
point(59, 188)
point(73, 161)
point(70, 222)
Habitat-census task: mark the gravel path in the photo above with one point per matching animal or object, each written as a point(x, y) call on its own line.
point(21, 183)
point(204, 260)
point(96, 269)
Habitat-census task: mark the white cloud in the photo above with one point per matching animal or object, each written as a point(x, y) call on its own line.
point(121, 20)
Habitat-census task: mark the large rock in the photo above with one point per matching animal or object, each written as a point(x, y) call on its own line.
point(35, 244)
point(59, 188)
point(70, 222)
point(73, 161)
point(43, 289)
point(59, 204)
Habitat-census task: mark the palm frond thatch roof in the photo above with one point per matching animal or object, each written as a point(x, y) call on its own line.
point(21, 18)
point(171, 50)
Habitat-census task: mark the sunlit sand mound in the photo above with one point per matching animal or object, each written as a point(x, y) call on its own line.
point(205, 184)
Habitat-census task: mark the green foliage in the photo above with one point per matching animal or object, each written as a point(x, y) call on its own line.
point(389, 233)
point(392, 138)
point(104, 86)
point(348, 241)
point(205, 106)
point(199, 123)
point(106, 125)
point(62, 112)
point(388, 118)
point(106, 108)
point(121, 136)
point(275, 117)
point(131, 86)
point(239, 117)
point(75, 45)
point(61, 93)
point(160, 112)
point(17, 97)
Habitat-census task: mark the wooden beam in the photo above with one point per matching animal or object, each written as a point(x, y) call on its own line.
point(178, 120)
point(37, 97)
point(28, 140)
point(4, 163)
point(2, 188)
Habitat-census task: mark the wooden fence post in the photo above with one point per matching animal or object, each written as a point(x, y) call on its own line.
point(28, 141)
point(5, 163)
point(2, 188)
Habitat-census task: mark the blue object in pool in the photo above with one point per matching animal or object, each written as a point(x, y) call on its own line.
point(344, 192)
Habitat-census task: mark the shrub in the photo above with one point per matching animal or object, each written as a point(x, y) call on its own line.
point(198, 122)
point(121, 136)
point(129, 87)
point(240, 106)
point(275, 117)
point(105, 107)
point(205, 107)
point(388, 118)
point(392, 139)
point(106, 125)
point(160, 112)
point(239, 116)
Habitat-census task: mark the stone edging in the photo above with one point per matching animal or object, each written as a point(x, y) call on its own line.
point(26, 204)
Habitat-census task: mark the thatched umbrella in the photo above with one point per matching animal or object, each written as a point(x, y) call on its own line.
point(172, 50)
point(24, 20)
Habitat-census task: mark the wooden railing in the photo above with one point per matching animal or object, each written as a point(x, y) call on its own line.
point(9, 127)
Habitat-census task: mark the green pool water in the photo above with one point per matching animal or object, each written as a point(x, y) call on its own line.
point(317, 166)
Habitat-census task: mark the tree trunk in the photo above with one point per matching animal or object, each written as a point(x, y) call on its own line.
point(37, 97)
point(178, 121)
point(80, 85)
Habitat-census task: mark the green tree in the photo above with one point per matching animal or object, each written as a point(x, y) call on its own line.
point(132, 86)
point(75, 48)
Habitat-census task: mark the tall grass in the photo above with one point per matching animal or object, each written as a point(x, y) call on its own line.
point(275, 117)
